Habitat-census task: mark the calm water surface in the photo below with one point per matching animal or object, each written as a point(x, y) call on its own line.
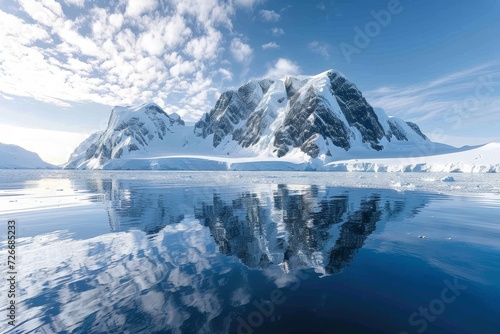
point(182, 252)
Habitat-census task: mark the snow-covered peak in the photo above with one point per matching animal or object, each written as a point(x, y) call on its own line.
point(129, 130)
point(142, 112)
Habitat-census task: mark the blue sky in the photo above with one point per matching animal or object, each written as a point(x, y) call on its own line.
point(64, 64)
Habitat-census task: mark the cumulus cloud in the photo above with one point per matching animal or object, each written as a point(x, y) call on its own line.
point(79, 3)
point(204, 47)
point(319, 48)
point(269, 15)
point(137, 8)
point(241, 52)
point(277, 32)
point(270, 45)
point(185, 67)
point(282, 68)
point(13, 27)
point(226, 74)
point(127, 52)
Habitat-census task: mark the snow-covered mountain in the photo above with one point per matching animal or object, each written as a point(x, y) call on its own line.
point(320, 116)
point(16, 157)
point(303, 122)
point(128, 131)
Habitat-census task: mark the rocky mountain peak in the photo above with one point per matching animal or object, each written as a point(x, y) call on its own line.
point(312, 119)
point(131, 129)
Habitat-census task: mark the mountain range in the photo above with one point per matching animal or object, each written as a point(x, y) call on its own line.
point(297, 123)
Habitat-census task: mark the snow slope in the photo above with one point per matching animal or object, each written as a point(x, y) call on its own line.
point(16, 157)
point(79, 154)
point(482, 159)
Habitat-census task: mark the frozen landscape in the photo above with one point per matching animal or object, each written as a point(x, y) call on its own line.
point(249, 166)
point(303, 123)
point(291, 201)
point(320, 122)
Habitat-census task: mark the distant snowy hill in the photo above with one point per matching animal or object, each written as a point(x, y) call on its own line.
point(16, 157)
point(295, 123)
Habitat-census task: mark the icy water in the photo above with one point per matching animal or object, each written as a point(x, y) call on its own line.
point(205, 252)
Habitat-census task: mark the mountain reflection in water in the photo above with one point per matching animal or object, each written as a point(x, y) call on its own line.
point(193, 259)
point(306, 228)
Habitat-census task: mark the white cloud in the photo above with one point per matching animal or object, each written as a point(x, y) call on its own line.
point(79, 3)
point(247, 3)
point(137, 8)
point(12, 27)
point(226, 74)
point(84, 45)
point(185, 67)
point(121, 53)
point(204, 47)
point(164, 33)
point(277, 32)
point(241, 52)
point(208, 13)
point(270, 45)
point(282, 68)
point(269, 15)
point(319, 48)
point(78, 65)
point(45, 12)
point(116, 20)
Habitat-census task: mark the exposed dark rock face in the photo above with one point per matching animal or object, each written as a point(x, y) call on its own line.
point(253, 130)
point(416, 129)
point(292, 85)
point(309, 118)
point(356, 110)
point(265, 84)
point(395, 131)
point(231, 108)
